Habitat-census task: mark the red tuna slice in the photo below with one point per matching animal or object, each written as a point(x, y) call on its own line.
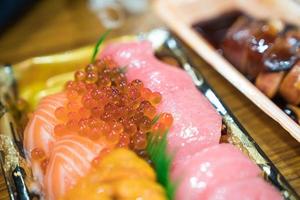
point(246, 189)
point(196, 123)
point(69, 160)
point(39, 130)
point(215, 165)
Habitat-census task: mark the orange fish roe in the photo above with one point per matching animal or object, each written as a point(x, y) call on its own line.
point(163, 124)
point(44, 164)
point(104, 106)
point(166, 119)
point(37, 154)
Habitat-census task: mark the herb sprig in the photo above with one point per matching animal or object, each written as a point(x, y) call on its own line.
point(100, 41)
point(157, 151)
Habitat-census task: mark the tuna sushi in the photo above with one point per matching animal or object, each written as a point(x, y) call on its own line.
point(197, 125)
point(202, 172)
point(196, 129)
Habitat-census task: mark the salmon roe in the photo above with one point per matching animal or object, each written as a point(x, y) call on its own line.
point(38, 154)
point(104, 106)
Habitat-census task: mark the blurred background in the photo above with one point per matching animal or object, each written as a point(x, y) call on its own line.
point(35, 27)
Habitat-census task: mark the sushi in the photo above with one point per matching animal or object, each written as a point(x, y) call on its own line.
point(196, 123)
point(111, 178)
point(202, 175)
point(84, 142)
point(196, 129)
point(96, 112)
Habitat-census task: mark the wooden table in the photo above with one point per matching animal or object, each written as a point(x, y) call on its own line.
point(55, 26)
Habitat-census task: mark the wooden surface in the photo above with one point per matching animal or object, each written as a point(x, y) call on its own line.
point(55, 26)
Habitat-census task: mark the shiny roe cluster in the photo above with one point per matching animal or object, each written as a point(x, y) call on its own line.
point(105, 107)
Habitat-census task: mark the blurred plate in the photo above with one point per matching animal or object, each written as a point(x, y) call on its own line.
point(180, 15)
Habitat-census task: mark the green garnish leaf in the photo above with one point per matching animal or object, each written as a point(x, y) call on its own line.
point(157, 151)
point(100, 41)
point(154, 120)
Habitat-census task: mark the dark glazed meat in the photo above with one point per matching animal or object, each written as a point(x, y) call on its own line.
point(283, 53)
point(234, 44)
point(290, 87)
point(262, 37)
point(266, 51)
point(268, 82)
point(214, 30)
point(246, 42)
